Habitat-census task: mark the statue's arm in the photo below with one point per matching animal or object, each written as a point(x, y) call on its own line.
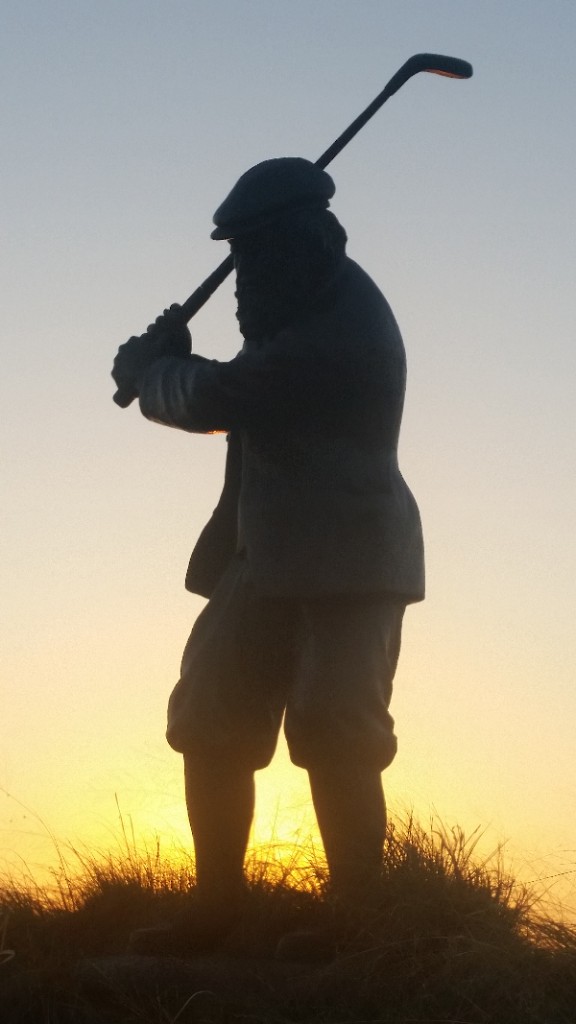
point(252, 390)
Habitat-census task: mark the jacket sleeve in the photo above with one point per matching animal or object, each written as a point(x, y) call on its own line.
point(271, 386)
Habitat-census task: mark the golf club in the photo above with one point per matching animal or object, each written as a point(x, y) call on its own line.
point(437, 64)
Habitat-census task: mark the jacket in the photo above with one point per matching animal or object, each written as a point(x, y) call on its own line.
point(313, 492)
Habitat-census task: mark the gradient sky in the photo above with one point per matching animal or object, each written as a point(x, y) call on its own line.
point(124, 123)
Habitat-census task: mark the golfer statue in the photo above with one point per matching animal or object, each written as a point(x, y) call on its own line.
point(312, 554)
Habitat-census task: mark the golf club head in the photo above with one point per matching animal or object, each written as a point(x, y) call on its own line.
point(436, 63)
point(451, 67)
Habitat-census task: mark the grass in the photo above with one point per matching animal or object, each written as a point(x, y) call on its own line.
point(449, 939)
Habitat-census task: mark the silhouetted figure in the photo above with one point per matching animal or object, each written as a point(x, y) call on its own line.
point(313, 552)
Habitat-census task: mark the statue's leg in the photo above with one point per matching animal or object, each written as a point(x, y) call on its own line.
point(220, 804)
point(351, 813)
point(224, 716)
point(339, 729)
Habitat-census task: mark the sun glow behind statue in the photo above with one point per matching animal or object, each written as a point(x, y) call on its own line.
point(459, 208)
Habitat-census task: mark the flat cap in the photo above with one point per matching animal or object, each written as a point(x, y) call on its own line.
point(270, 189)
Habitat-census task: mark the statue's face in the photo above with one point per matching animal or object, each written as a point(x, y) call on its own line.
point(269, 280)
point(281, 267)
point(259, 259)
point(248, 264)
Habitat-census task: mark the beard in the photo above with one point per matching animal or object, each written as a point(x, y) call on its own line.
point(274, 295)
point(269, 303)
point(282, 269)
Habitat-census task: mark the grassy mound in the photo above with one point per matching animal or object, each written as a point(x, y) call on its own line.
point(446, 939)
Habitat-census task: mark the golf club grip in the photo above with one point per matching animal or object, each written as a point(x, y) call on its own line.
point(125, 396)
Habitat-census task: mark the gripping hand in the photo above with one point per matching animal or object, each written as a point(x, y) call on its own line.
point(167, 336)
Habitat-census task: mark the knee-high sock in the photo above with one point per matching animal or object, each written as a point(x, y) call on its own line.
point(351, 812)
point(220, 804)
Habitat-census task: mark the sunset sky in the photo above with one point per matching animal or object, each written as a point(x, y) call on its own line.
point(124, 124)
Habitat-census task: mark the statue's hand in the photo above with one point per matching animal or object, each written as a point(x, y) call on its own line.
point(171, 332)
point(167, 336)
point(133, 358)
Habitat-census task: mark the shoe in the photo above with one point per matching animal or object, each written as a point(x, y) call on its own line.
point(200, 929)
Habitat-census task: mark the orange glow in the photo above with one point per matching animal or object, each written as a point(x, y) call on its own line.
point(445, 74)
